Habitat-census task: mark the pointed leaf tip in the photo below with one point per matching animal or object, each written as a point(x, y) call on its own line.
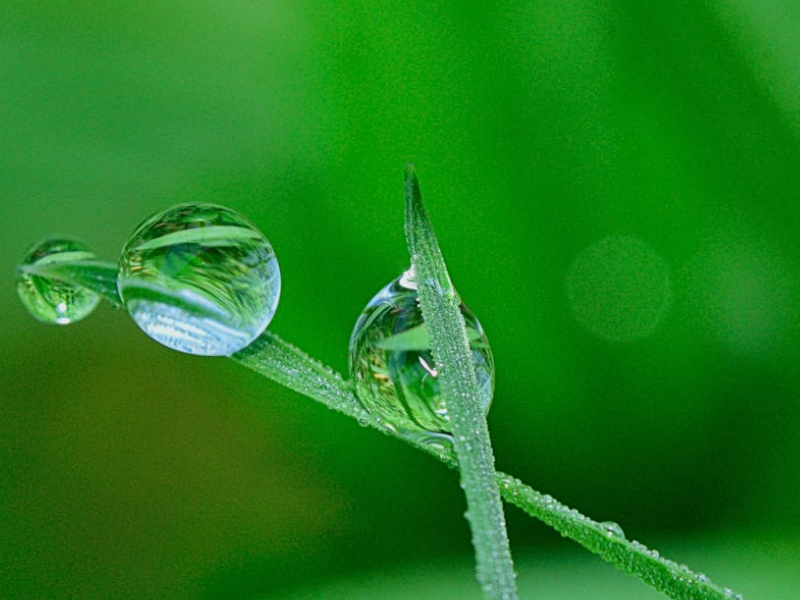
point(413, 193)
point(415, 212)
point(419, 229)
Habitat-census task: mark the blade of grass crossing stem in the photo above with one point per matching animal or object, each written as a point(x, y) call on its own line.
point(272, 357)
point(450, 346)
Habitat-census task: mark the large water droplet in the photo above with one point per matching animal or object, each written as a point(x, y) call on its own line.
point(51, 300)
point(200, 279)
point(393, 367)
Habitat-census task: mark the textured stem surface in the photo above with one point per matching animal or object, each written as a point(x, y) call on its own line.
point(459, 387)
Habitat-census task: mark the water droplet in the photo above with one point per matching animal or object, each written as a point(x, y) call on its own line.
point(729, 593)
point(51, 300)
point(433, 440)
point(200, 279)
point(392, 365)
point(613, 529)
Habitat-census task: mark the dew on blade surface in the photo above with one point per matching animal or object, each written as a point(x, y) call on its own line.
point(53, 300)
point(613, 529)
point(393, 367)
point(200, 278)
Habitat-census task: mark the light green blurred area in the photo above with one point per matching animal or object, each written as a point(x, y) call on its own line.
point(540, 130)
point(556, 574)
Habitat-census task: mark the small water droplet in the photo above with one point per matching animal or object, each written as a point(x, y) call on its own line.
point(640, 547)
point(200, 279)
point(442, 442)
point(613, 529)
point(51, 300)
point(393, 367)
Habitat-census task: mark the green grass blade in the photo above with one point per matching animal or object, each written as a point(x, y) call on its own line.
point(287, 365)
point(459, 386)
point(674, 580)
point(291, 367)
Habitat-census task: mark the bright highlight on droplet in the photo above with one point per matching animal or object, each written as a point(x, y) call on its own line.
point(393, 367)
point(200, 279)
point(619, 288)
point(52, 300)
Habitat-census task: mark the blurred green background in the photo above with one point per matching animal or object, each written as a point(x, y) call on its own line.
point(615, 188)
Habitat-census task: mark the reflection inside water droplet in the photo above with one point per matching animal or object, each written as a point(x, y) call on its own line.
point(200, 278)
point(393, 368)
point(52, 300)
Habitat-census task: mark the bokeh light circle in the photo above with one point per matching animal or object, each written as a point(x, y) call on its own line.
point(619, 288)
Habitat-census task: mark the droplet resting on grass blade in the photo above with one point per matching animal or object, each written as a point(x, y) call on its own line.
point(49, 299)
point(392, 365)
point(200, 278)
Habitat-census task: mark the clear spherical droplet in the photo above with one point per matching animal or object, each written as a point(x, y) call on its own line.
point(393, 367)
point(52, 300)
point(200, 279)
